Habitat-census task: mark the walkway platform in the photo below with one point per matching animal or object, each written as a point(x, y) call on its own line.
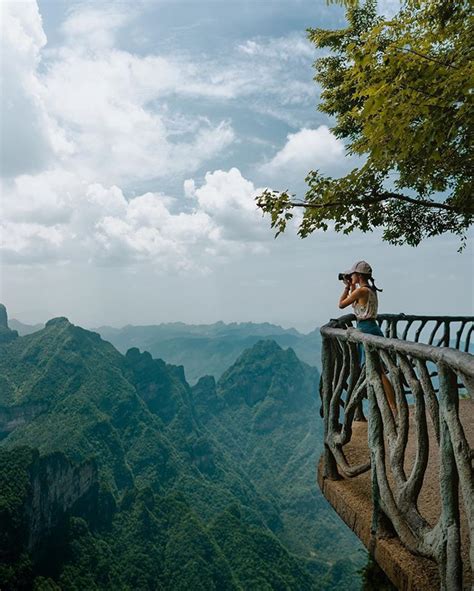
point(352, 499)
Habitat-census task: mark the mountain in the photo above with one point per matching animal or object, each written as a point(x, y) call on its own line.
point(181, 329)
point(265, 409)
point(210, 348)
point(24, 329)
point(115, 474)
point(6, 334)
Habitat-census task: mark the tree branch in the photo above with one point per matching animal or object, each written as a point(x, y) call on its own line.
point(426, 57)
point(428, 95)
point(382, 197)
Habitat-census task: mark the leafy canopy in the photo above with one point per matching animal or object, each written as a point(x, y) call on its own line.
point(400, 91)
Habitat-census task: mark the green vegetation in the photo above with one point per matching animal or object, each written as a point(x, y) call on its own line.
point(373, 577)
point(400, 92)
point(266, 408)
point(169, 487)
point(15, 487)
point(209, 349)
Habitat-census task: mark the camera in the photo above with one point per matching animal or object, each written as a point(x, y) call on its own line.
point(344, 277)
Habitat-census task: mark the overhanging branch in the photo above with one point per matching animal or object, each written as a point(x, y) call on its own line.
point(378, 199)
point(426, 57)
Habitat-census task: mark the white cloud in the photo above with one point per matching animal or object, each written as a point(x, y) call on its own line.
point(26, 140)
point(105, 103)
point(94, 110)
point(106, 114)
point(93, 27)
point(56, 216)
point(31, 242)
point(229, 199)
point(288, 48)
point(189, 187)
point(104, 124)
point(89, 120)
point(276, 75)
point(93, 222)
point(308, 149)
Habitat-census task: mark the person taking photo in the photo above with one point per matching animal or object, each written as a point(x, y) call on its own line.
point(360, 291)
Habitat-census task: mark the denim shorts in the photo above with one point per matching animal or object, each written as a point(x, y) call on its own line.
point(368, 327)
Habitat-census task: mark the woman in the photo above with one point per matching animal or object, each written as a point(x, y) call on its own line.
point(363, 298)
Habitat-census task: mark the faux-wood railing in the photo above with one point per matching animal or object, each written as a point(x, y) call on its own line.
point(428, 380)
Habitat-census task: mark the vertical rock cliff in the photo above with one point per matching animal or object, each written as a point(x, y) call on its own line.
point(38, 495)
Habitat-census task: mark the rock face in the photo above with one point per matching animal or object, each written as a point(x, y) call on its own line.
point(206, 400)
point(3, 317)
point(38, 495)
point(57, 486)
point(6, 335)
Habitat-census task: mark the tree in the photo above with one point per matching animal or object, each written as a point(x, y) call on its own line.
point(400, 91)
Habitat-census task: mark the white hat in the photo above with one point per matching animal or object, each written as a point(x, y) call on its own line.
point(360, 267)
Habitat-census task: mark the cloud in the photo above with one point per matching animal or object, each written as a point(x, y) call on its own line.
point(149, 232)
point(229, 199)
point(109, 116)
point(94, 223)
point(32, 243)
point(93, 27)
point(304, 151)
point(55, 216)
point(97, 111)
point(26, 137)
point(307, 149)
point(276, 73)
point(43, 198)
point(109, 105)
point(89, 122)
point(102, 122)
point(288, 48)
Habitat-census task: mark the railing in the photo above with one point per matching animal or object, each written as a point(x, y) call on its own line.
point(428, 380)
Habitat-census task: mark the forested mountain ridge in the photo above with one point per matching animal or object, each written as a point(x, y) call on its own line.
point(173, 507)
point(210, 348)
point(202, 348)
point(266, 408)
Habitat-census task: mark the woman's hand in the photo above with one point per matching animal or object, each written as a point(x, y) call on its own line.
point(349, 286)
point(345, 293)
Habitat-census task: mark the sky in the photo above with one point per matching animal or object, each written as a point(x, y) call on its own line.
point(134, 139)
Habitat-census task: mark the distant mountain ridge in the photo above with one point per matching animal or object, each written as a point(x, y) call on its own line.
point(210, 348)
point(220, 328)
point(202, 348)
point(24, 329)
point(173, 505)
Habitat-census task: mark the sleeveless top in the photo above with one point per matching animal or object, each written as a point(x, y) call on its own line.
point(369, 311)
